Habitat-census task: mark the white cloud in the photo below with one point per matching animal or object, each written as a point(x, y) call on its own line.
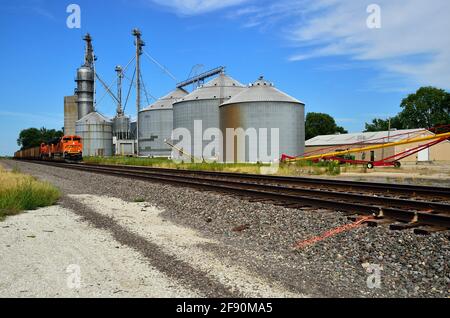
point(194, 7)
point(412, 44)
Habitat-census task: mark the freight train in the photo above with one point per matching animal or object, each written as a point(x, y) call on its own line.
point(66, 148)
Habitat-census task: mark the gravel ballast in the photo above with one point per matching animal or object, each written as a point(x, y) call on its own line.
point(260, 237)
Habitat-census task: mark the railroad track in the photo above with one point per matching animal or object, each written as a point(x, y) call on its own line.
point(387, 189)
point(426, 209)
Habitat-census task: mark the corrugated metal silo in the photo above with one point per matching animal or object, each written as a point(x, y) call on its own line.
point(121, 127)
point(96, 133)
point(261, 105)
point(156, 125)
point(133, 128)
point(203, 104)
point(85, 90)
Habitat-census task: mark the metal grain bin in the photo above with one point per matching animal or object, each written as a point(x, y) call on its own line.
point(133, 128)
point(85, 91)
point(156, 124)
point(121, 127)
point(203, 104)
point(96, 133)
point(261, 105)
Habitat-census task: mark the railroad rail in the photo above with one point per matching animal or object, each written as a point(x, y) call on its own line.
point(387, 203)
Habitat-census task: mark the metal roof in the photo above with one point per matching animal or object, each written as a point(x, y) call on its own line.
point(167, 101)
point(262, 91)
point(222, 86)
point(365, 137)
point(94, 118)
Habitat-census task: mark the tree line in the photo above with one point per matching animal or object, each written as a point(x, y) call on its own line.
point(427, 108)
point(33, 137)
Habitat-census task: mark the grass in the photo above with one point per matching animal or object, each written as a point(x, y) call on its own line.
point(169, 164)
point(19, 192)
point(288, 169)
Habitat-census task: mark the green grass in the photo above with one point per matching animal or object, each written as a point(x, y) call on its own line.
point(299, 168)
point(290, 169)
point(169, 164)
point(122, 160)
point(19, 192)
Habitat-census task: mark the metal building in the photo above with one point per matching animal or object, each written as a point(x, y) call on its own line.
point(439, 153)
point(96, 133)
point(203, 105)
point(156, 125)
point(70, 114)
point(261, 106)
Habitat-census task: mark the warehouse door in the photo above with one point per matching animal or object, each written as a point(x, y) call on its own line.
point(423, 155)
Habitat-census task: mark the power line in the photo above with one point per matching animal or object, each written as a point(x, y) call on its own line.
point(160, 65)
point(129, 89)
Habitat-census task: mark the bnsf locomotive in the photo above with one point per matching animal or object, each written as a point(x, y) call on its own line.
point(66, 148)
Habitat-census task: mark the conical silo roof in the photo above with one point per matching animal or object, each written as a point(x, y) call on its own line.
point(261, 91)
point(167, 101)
point(222, 86)
point(94, 118)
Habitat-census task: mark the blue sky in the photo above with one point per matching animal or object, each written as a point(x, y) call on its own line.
point(319, 51)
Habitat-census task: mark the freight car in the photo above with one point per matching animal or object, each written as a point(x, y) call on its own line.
point(66, 148)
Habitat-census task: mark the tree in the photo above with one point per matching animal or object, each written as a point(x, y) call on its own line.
point(49, 134)
point(321, 124)
point(28, 138)
point(33, 137)
point(379, 124)
point(426, 108)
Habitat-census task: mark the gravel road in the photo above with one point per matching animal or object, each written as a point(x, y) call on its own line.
point(45, 253)
point(211, 244)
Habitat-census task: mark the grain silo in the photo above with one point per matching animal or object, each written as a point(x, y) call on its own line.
point(203, 105)
point(260, 106)
point(96, 133)
point(156, 125)
point(86, 81)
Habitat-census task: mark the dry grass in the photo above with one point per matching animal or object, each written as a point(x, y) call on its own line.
point(19, 192)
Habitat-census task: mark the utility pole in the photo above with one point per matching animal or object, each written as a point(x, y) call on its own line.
point(139, 44)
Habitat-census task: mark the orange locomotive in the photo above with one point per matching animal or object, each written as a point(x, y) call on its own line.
point(66, 148)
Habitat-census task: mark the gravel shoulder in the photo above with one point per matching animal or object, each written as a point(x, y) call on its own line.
point(411, 265)
point(50, 253)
